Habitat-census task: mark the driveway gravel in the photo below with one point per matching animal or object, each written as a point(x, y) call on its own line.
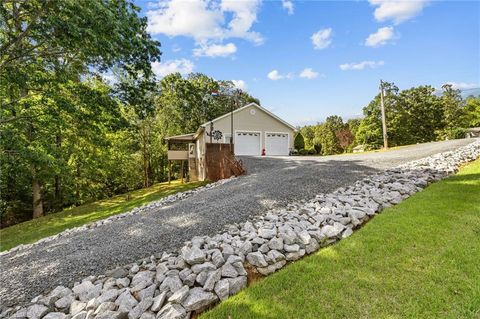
point(271, 182)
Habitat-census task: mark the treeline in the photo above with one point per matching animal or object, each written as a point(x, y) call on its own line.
point(416, 115)
point(67, 135)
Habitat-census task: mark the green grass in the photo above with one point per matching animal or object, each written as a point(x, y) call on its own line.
point(419, 259)
point(52, 224)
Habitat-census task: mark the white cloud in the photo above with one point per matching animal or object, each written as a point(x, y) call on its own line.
point(182, 66)
point(397, 11)
point(215, 50)
point(322, 39)
point(244, 15)
point(188, 18)
point(288, 5)
point(361, 65)
point(205, 20)
point(274, 75)
point(380, 38)
point(463, 86)
point(240, 84)
point(308, 73)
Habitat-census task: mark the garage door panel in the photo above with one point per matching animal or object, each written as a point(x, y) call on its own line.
point(277, 144)
point(247, 143)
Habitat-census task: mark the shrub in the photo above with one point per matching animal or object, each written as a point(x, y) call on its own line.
point(299, 142)
point(312, 151)
point(456, 133)
point(303, 151)
point(318, 148)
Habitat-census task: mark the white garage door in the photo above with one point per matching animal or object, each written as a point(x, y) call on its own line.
point(247, 143)
point(277, 144)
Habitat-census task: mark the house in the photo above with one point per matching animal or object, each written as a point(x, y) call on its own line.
point(472, 132)
point(358, 149)
point(256, 131)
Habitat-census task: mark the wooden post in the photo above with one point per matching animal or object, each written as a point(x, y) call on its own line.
point(169, 171)
point(181, 171)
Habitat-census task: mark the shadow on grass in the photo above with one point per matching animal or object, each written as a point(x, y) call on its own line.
point(55, 223)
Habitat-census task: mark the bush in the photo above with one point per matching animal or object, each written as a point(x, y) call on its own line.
point(299, 142)
point(312, 151)
point(303, 152)
point(456, 133)
point(318, 148)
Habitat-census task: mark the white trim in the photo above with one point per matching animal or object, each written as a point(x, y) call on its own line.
point(180, 136)
point(225, 138)
point(247, 131)
point(288, 139)
point(259, 107)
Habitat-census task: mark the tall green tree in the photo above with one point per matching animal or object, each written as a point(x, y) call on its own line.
point(48, 47)
point(472, 111)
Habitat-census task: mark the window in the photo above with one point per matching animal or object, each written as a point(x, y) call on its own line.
point(226, 138)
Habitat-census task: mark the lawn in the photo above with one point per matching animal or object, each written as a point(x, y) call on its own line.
point(52, 224)
point(419, 259)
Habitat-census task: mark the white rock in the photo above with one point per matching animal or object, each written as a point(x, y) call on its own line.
point(36, 311)
point(222, 289)
point(237, 284)
point(276, 243)
point(86, 291)
point(256, 259)
point(55, 315)
point(172, 311)
point(193, 255)
point(158, 301)
point(228, 271)
point(198, 299)
point(126, 301)
point(180, 295)
point(139, 309)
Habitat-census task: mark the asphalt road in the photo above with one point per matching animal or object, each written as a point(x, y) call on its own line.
point(271, 182)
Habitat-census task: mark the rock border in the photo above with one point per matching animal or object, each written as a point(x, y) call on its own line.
point(135, 211)
point(210, 269)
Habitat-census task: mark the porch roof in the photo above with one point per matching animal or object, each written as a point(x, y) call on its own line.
point(191, 137)
point(181, 138)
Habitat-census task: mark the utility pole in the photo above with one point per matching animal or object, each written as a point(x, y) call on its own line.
point(384, 123)
point(231, 119)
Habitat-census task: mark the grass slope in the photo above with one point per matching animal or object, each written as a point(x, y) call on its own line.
point(419, 259)
point(52, 224)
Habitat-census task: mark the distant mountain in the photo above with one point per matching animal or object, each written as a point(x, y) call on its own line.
point(474, 92)
point(463, 93)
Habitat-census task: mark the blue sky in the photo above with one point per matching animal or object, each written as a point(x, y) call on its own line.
point(309, 59)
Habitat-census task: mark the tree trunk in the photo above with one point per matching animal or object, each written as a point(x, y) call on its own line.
point(37, 196)
point(77, 191)
point(146, 161)
point(58, 200)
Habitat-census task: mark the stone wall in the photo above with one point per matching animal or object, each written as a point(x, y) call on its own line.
point(210, 269)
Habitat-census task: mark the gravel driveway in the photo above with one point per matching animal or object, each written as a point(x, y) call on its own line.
point(271, 182)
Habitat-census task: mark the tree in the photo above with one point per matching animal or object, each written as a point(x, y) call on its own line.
point(308, 133)
point(345, 138)
point(299, 142)
point(423, 112)
point(472, 111)
point(325, 137)
point(454, 112)
point(353, 125)
point(50, 46)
